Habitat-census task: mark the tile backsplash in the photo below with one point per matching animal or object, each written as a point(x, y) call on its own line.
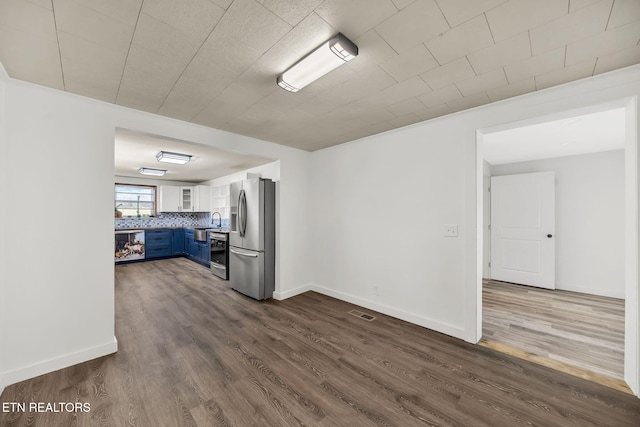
point(170, 219)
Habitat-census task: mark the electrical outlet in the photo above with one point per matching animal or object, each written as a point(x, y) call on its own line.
point(451, 230)
point(376, 290)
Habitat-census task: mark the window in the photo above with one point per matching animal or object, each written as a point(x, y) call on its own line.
point(135, 200)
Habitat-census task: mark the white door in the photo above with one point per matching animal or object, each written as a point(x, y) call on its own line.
point(523, 229)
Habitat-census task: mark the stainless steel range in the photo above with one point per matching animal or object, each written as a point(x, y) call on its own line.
point(219, 254)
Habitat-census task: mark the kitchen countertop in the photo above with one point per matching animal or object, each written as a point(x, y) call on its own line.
point(215, 230)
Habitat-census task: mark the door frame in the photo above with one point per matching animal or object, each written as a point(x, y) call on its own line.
point(632, 237)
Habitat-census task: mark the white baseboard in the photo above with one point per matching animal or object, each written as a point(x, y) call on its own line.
point(393, 312)
point(50, 365)
point(592, 291)
point(292, 292)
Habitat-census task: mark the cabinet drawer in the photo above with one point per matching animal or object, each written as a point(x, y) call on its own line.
point(157, 252)
point(158, 234)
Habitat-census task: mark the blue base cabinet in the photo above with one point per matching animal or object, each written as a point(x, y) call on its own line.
point(177, 241)
point(196, 250)
point(157, 243)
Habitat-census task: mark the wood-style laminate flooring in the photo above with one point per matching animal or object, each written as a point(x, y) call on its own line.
point(586, 331)
point(193, 352)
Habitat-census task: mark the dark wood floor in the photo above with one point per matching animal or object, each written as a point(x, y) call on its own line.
point(586, 331)
point(195, 353)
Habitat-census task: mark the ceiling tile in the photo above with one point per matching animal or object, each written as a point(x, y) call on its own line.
point(377, 116)
point(405, 120)
point(42, 3)
point(583, 23)
point(410, 63)
point(621, 59)
point(188, 98)
point(401, 4)
point(516, 16)
point(28, 18)
point(223, 3)
point(407, 89)
point(447, 74)
point(250, 24)
point(348, 17)
point(535, 65)
point(148, 71)
point(623, 12)
point(291, 11)
point(433, 112)
point(606, 43)
point(467, 102)
point(133, 96)
point(195, 18)
point(413, 25)
point(440, 96)
point(125, 11)
point(229, 53)
point(372, 50)
point(513, 49)
point(466, 38)
point(512, 89)
point(579, 4)
point(164, 39)
point(564, 75)
point(81, 21)
point(405, 107)
point(357, 88)
point(483, 82)
point(30, 58)
point(459, 11)
point(83, 61)
point(232, 102)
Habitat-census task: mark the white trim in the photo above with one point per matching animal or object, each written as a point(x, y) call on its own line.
point(632, 291)
point(47, 366)
point(4, 76)
point(426, 322)
point(292, 292)
point(603, 292)
point(632, 271)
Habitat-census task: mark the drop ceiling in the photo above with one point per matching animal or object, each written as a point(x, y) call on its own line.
point(215, 62)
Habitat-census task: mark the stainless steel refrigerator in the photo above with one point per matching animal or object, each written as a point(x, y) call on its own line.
point(252, 239)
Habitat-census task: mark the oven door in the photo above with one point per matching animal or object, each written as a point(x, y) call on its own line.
point(219, 255)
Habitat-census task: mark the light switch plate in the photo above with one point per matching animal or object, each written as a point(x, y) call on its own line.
point(451, 230)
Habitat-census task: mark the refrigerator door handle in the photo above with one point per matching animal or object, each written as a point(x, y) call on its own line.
point(242, 210)
point(248, 254)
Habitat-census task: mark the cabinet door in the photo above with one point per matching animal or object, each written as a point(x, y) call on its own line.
point(168, 198)
point(186, 199)
point(202, 198)
point(177, 241)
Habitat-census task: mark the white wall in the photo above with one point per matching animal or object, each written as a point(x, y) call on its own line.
point(590, 229)
point(62, 308)
point(379, 206)
point(3, 237)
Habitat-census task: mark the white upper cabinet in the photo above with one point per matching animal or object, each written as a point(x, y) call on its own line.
point(202, 198)
point(175, 199)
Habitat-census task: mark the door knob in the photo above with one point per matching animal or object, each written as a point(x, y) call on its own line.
point(549, 235)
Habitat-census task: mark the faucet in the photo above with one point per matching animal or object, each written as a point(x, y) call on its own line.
point(220, 219)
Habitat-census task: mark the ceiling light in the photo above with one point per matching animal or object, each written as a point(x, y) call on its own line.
point(328, 56)
point(179, 159)
point(150, 171)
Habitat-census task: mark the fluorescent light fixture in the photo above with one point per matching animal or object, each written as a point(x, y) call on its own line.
point(153, 172)
point(328, 56)
point(178, 159)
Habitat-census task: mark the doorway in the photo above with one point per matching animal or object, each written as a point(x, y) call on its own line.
point(627, 234)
